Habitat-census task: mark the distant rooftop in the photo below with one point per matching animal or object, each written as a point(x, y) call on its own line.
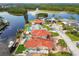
point(38, 21)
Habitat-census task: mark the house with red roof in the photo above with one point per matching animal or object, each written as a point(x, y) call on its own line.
point(40, 41)
point(39, 45)
point(41, 34)
point(38, 21)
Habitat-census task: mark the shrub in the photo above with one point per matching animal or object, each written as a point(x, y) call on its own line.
point(20, 49)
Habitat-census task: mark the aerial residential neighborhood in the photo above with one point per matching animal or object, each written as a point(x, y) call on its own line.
point(40, 30)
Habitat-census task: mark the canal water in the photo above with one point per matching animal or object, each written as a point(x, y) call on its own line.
point(17, 22)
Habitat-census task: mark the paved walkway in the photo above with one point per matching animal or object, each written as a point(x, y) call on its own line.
point(70, 44)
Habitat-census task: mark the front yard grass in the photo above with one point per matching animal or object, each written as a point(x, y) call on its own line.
point(54, 34)
point(61, 42)
point(20, 49)
point(73, 37)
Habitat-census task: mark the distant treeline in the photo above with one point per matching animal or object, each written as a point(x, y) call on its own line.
point(21, 8)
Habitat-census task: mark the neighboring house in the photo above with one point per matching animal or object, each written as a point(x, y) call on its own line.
point(39, 45)
point(41, 33)
point(38, 21)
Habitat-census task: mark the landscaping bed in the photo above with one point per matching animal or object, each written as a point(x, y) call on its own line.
point(20, 49)
point(61, 42)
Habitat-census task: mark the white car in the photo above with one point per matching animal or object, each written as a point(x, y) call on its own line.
point(10, 44)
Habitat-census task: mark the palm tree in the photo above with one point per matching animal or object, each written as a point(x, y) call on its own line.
point(26, 17)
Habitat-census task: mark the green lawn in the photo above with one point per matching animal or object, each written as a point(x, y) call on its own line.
point(60, 54)
point(20, 49)
point(27, 27)
point(61, 42)
point(73, 37)
point(54, 34)
point(47, 27)
point(78, 46)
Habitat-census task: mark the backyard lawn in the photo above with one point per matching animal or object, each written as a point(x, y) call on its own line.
point(73, 37)
point(20, 49)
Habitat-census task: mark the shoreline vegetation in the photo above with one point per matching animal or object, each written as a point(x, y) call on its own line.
point(21, 9)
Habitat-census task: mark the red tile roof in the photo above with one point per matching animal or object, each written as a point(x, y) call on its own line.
point(40, 32)
point(38, 21)
point(38, 42)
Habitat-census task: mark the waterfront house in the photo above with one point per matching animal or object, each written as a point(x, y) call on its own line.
point(39, 45)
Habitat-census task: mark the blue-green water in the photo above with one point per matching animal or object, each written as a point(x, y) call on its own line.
point(16, 22)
